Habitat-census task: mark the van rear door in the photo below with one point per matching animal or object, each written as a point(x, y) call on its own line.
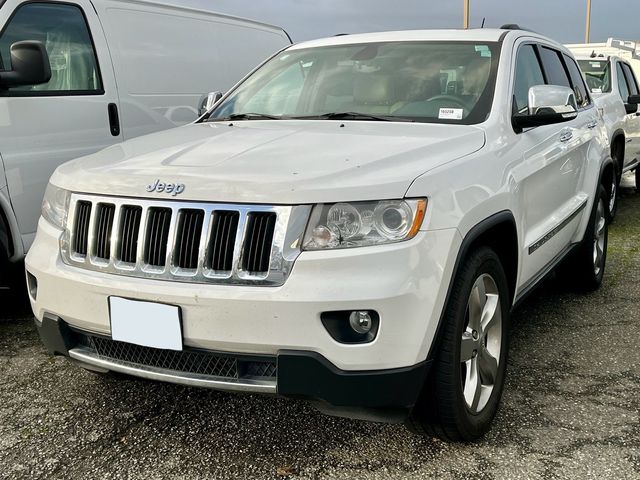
point(45, 125)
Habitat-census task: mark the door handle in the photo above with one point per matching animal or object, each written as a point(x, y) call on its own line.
point(114, 120)
point(593, 124)
point(566, 136)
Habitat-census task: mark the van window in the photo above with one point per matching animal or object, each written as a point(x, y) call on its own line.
point(63, 30)
point(631, 79)
point(528, 74)
point(622, 83)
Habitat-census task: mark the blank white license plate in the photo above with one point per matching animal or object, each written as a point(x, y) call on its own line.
point(145, 323)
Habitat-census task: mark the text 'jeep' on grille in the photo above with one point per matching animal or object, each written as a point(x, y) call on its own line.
point(351, 224)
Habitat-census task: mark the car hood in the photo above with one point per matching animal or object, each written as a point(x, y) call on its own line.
point(276, 162)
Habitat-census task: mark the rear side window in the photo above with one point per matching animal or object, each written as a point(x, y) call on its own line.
point(631, 79)
point(579, 88)
point(63, 30)
point(528, 74)
point(553, 67)
point(622, 83)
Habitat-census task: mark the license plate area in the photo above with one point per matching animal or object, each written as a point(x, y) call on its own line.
point(144, 323)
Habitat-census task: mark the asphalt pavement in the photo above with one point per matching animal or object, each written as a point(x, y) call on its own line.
point(571, 406)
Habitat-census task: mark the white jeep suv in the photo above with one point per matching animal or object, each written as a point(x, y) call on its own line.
point(614, 88)
point(351, 224)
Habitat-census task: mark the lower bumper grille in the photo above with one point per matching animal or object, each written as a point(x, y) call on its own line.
point(188, 361)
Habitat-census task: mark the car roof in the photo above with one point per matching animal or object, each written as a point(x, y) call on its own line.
point(471, 35)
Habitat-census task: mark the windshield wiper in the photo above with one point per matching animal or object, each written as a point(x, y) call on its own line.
point(355, 116)
point(246, 116)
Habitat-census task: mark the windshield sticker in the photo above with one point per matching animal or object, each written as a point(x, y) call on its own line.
point(450, 113)
point(596, 90)
point(595, 64)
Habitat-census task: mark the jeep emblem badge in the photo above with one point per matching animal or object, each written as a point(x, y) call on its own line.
point(162, 187)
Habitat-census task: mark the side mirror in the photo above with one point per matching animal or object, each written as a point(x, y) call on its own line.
point(208, 101)
point(29, 65)
point(548, 104)
point(630, 107)
point(634, 99)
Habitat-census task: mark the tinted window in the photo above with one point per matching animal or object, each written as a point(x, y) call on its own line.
point(64, 32)
point(622, 83)
point(553, 68)
point(580, 89)
point(528, 74)
point(631, 79)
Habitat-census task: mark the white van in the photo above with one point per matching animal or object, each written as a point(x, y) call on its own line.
point(117, 69)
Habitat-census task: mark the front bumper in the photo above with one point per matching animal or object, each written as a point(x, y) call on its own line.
point(405, 283)
point(297, 374)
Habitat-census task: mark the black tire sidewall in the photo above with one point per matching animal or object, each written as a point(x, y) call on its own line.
point(448, 370)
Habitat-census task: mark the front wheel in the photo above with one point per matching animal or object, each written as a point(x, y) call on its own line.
point(462, 395)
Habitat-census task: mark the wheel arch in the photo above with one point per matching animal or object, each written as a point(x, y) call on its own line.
point(499, 232)
point(10, 241)
point(618, 140)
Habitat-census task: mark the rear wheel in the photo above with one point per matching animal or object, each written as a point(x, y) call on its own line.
point(585, 267)
point(638, 179)
point(462, 395)
point(612, 204)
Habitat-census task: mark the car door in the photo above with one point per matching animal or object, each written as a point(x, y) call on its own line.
point(627, 81)
point(549, 177)
point(45, 125)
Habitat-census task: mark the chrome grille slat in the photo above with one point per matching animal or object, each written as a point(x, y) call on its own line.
point(208, 247)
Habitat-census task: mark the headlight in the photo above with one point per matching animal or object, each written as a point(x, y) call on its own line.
point(55, 205)
point(358, 224)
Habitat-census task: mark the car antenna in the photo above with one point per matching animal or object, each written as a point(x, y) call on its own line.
point(593, 54)
point(483, 19)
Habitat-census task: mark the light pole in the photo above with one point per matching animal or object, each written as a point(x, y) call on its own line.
point(466, 13)
point(587, 31)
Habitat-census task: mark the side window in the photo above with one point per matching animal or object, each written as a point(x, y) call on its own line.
point(622, 83)
point(579, 87)
point(63, 30)
point(528, 74)
point(631, 79)
point(553, 67)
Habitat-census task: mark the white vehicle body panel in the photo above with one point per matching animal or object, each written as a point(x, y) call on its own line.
point(156, 62)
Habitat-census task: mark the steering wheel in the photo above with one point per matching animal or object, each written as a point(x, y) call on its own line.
point(450, 98)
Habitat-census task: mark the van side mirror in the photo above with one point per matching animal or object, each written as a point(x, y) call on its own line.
point(630, 107)
point(548, 104)
point(208, 101)
point(29, 65)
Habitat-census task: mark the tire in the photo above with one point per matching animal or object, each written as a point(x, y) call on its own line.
point(612, 193)
point(460, 399)
point(637, 179)
point(584, 269)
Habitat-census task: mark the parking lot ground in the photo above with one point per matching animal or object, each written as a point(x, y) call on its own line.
point(570, 409)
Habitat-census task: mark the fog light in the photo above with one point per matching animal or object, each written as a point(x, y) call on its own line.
point(360, 321)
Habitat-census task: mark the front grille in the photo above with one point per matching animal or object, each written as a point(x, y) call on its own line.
point(189, 231)
point(158, 226)
point(191, 361)
point(258, 246)
point(184, 241)
point(83, 217)
point(223, 239)
point(103, 227)
point(129, 232)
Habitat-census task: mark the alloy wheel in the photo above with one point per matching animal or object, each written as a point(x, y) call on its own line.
point(599, 233)
point(481, 343)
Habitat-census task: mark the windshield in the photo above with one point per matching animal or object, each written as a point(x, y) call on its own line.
point(443, 82)
point(597, 73)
